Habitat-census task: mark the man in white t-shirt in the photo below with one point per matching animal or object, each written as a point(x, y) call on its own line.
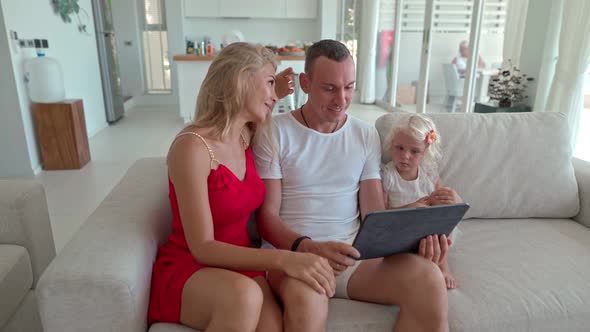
point(322, 177)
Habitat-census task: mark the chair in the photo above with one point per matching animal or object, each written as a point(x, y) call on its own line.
point(454, 85)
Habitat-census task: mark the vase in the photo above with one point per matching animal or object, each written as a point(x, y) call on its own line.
point(505, 103)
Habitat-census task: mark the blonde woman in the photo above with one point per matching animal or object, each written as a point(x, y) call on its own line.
point(206, 276)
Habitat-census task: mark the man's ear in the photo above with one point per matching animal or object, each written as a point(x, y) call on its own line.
point(304, 82)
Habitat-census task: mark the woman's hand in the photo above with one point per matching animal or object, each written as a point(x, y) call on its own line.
point(284, 85)
point(444, 196)
point(434, 248)
point(338, 253)
point(312, 270)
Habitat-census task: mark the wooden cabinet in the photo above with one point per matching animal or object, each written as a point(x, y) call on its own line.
point(61, 134)
point(302, 9)
point(251, 8)
point(201, 8)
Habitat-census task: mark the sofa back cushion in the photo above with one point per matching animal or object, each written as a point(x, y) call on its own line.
point(505, 165)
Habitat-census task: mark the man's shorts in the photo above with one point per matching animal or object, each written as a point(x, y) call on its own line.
point(342, 281)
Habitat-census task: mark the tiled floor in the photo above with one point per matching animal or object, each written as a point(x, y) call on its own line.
point(144, 132)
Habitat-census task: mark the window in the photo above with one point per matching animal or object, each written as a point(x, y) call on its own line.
point(436, 28)
point(155, 47)
point(348, 27)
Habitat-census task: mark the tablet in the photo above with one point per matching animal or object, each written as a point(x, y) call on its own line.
point(384, 233)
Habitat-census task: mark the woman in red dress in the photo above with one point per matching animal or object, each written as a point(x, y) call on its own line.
point(206, 276)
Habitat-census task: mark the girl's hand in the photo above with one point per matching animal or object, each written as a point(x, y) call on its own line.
point(422, 202)
point(311, 269)
point(284, 85)
point(444, 196)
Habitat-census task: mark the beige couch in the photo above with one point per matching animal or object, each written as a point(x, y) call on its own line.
point(523, 260)
point(26, 248)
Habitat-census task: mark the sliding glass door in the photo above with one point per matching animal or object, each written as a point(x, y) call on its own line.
point(424, 49)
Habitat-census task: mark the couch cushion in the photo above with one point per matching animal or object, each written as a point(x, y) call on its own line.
point(344, 316)
point(506, 165)
point(16, 279)
point(521, 275)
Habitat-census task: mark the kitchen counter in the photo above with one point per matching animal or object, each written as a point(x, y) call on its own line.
point(191, 70)
point(192, 57)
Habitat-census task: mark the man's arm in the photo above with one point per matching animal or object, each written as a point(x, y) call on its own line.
point(370, 196)
point(269, 223)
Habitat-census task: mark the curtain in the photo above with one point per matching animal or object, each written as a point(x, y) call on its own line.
point(574, 57)
point(514, 30)
point(367, 51)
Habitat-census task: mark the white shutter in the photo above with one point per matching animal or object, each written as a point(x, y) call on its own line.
point(453, 15)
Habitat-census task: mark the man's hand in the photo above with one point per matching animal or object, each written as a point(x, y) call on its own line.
point(338, 253)
point(284, 85)
point(444, 196)
point(434, 248)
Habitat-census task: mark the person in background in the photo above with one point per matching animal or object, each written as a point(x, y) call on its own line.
point(206, 276)
point(460, 60)
point(321, 171)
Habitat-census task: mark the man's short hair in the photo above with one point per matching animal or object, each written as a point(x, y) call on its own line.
point(331, 49)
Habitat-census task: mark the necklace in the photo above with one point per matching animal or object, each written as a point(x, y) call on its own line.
point(307, 124)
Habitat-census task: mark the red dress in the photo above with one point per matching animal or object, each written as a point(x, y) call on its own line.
point(231, 201)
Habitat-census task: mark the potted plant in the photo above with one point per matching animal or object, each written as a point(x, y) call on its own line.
point(65, 8)
point(508, 88)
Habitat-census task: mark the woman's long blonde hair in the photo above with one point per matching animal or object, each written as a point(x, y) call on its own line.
point(227, 85)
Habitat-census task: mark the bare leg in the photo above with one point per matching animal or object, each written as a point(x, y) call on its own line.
point(271, 317)
point(221, 300)
point(304, 308)
point(410, 281)
point(446, 270)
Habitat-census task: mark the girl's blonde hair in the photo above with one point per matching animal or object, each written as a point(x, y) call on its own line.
point(227, 85)
point(421, 129)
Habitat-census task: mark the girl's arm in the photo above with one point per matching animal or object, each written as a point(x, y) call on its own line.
point(422, 202)
point(189, 168)
point(443, 195)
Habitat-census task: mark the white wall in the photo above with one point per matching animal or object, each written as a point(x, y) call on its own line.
point(126, 22)
point(14, 156)
point(77, 54)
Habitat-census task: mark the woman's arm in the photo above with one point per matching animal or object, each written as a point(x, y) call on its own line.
point(189, 168)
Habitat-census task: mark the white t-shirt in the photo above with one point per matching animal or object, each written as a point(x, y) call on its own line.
point(401, 192)
point(320, 174)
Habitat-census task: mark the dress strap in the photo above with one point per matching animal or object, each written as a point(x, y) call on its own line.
point(211, 155)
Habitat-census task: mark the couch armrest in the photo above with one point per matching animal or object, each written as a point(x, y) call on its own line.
point(100, 281)
point(24, 221)
point(582, 169)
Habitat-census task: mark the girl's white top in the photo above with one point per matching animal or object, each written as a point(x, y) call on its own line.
point(401, 192)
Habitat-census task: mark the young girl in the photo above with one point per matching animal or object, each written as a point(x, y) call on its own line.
point(411, 178)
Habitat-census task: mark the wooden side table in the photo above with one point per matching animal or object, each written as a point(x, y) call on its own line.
point(61, 134)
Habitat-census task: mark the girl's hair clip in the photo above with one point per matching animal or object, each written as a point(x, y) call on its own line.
point(430, 137)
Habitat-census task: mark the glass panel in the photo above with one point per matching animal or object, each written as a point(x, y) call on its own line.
point(450, 52)
point(449, 55)
point(155, 48)
point(410, 39)
point(349, 26)
point(157, 65)
point(384, 63)
point(153, 12)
